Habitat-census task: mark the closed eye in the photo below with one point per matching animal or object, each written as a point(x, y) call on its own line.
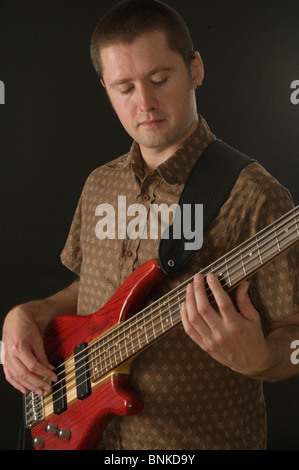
point(159, 82)
point(127, 91)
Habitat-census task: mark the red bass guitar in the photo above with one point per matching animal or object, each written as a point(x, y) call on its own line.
point(93, 354)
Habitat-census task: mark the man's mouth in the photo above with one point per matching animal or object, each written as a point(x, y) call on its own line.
point(151, 123)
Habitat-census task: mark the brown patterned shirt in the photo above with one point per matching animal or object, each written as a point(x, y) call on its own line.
point(191, 401)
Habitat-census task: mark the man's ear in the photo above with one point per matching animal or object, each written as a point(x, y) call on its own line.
point(197, 70)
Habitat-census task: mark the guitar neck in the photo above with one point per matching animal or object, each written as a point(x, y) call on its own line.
point(135, 334)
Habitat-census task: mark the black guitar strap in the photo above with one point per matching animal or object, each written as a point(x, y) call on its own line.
point(210, 184)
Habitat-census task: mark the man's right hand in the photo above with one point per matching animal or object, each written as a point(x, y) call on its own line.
point(25, 362)
point(26, 365)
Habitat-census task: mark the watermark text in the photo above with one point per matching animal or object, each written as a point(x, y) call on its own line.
point(295, 354)
point(2, 92)
point(139, 221)
point(295, 94)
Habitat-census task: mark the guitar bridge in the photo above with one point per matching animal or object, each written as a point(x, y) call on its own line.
point(33, 409)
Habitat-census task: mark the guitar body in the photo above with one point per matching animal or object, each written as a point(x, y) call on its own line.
point(81, 422)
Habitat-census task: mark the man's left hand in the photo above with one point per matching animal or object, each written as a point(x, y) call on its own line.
point(233, 338)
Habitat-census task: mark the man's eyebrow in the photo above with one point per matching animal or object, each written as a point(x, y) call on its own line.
point(150, 74)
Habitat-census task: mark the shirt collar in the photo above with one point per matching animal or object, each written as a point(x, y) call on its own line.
point(176, 169)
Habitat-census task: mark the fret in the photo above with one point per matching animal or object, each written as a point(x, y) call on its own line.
point(168, 317)
point(276, 237)
point(251, 260)
point(297, 226)
point(123, 345)
point(227, 270)
point(144, 329)
point(102, 361)
point(170, 314)
point(161, 319)
point(105, 365)
point(121, 357)
point(130, 338)
point(110, 355)
point(179, 301)
point(259, 252)
point(137, 333)
point(114, 350)
point(153, 325)
point(242, 262)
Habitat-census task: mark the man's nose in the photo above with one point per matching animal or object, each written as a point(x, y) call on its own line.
point(146, 99)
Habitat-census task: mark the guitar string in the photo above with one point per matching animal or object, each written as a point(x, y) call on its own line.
point(105, 353)
point(151, 336)
point(276, 238)
point(151, 319)
point(169, 300)
point(213, 269)
point(236, 255)
point(134, 319)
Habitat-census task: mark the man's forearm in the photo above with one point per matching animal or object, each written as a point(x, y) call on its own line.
point(61, 303)
point(279, 341)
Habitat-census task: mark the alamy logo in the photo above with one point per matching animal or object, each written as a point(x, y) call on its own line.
point(2, 92)
point(295, 354)
point(145, 223)
point(295, 94)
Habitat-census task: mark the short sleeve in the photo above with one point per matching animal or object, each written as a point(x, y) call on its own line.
point(275, 288)
point(71, 255)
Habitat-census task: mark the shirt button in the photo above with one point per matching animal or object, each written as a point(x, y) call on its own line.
point(146, 197)
point(128, 253)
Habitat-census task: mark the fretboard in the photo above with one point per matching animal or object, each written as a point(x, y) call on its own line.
point(138, 332)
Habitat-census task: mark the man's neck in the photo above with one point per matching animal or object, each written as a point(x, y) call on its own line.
point(152, 158)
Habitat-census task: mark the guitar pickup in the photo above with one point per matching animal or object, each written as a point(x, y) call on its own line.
point(83, 384)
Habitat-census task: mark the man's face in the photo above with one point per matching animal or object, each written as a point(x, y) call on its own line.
point(151, 91)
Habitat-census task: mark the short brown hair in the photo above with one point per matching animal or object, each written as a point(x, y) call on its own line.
point(130, 18)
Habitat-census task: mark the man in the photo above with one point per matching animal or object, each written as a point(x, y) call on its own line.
point(201, 383)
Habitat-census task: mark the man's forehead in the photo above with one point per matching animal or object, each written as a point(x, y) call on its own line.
point(149, 53)
point(151, 73)
point(146, 37)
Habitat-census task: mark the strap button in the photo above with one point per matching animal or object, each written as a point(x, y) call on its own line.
point(51, 428)
point(38, 441)
point(64, 434)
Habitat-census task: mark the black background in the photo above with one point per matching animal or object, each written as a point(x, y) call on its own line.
point(57, 126)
